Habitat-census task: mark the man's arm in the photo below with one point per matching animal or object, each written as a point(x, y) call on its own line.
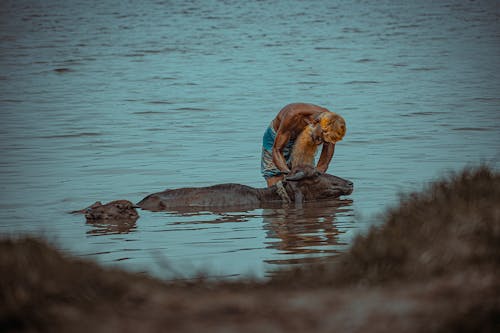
point(326, 156)
point(279, 144)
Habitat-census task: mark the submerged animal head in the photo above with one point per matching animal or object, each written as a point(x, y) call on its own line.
point(309, 184)
point(114, 210)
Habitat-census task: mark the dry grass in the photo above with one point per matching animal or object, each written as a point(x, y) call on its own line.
point(41, 287)
point(432, 266)
point(452, 226)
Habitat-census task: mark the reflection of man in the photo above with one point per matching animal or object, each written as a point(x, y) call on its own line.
point(278, 140)
point(316, 231)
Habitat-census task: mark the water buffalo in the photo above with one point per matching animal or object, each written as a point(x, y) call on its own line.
point(304, 185)
point(118, 210)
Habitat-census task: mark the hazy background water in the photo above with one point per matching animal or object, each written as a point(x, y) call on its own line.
point(104, 100)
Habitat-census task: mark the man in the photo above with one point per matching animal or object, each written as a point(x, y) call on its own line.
point(278, 140)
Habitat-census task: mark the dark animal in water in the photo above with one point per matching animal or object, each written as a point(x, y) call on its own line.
point(119, 210)
point(304, 185)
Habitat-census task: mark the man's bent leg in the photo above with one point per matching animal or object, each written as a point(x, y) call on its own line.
point(267, 167)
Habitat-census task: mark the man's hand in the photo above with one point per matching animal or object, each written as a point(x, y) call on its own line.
point(322, 170)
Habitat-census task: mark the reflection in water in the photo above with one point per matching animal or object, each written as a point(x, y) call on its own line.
point(192, 216)
point(316, 231)
point(306, 234)
point(110, 227)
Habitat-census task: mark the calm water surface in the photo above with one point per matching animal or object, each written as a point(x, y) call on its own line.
point(105, 100)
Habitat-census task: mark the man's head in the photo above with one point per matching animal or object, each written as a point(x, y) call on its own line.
point(332, 126)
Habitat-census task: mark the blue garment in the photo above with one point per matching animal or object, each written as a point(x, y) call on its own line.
point(267, 166)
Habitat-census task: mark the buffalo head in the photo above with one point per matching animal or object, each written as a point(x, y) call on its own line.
point(309, 184)
point(118, 210)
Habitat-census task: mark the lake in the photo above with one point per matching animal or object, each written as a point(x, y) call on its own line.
point(105, 100)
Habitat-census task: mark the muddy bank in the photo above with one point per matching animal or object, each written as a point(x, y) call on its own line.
point(431, 266)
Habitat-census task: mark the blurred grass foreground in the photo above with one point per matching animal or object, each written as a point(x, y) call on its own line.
point(431, 266)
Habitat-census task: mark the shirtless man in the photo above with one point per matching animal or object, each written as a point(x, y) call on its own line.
point(278, 140)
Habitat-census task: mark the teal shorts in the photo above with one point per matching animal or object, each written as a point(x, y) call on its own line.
point(267, 166)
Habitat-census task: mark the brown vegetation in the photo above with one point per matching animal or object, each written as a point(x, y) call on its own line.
point(431, 267)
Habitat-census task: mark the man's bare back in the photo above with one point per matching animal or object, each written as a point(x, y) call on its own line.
point(294, 117)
